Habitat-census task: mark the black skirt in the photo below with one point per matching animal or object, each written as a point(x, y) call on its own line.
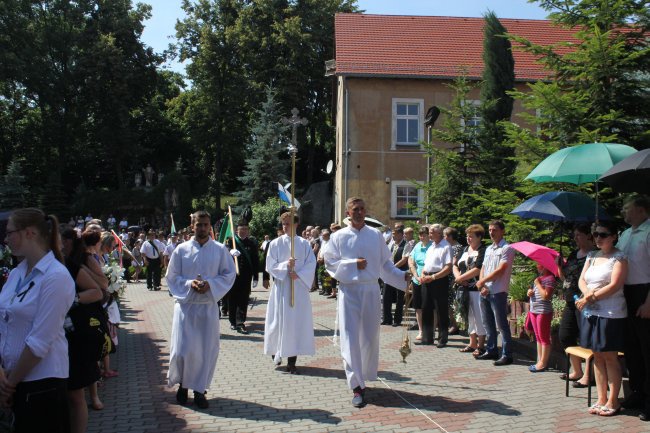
point(602, 334)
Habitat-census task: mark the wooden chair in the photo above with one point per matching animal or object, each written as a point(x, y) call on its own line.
point(588, 356)
point(582, 353)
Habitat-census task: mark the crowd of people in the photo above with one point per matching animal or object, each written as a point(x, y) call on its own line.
point(59, 311)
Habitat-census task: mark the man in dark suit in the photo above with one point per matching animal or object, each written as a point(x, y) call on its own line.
point(248, 262)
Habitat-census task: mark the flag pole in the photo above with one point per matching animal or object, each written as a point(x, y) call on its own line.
point(294, 121)
point(124, 247)
point(232, 232)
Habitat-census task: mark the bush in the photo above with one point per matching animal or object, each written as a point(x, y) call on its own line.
point(265, 218)
point(520, 284)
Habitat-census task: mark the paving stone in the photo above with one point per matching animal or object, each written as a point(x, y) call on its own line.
point(436, 390)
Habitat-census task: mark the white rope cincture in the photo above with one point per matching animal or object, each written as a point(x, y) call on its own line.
point(414, 407)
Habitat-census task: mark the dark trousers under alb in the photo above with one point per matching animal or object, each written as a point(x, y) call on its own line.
point(392, 295)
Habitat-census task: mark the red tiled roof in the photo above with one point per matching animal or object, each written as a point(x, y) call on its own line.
point(425, 46)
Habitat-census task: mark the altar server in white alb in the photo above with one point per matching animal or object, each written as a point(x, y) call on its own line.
point(357, 256)
point(289, 331)
point(200, 273)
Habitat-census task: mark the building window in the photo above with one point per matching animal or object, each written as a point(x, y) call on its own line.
point(471, 120)
point(408, 122)
point(406, 200)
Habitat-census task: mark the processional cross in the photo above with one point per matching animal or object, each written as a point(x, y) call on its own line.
point(294, 121)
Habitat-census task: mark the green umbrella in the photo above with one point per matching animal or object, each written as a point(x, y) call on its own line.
point(580, 164)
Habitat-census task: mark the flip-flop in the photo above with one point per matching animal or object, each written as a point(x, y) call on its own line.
point(608, 411)
point(467, 349)
point(575, 379)
point(595, 409)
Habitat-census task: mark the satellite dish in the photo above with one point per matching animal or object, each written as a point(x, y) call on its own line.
point(330, 166)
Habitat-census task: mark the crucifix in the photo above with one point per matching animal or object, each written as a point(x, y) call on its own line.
point(294, 121)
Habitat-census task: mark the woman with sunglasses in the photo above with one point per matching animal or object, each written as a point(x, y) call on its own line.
point(33, 306)
point(604, 312)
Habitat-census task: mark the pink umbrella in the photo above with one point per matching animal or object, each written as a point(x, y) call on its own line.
point(545, 256)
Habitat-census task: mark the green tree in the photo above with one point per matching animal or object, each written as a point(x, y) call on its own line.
point(265, 217)
point(217, 110)
point(454, 167)
point(13, 192)
point(600, 88)
point(264, 165)
point(497, 164)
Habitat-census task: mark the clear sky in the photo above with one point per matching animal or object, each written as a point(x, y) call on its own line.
point(159, 30)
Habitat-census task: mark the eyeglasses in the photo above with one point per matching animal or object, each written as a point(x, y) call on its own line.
point(601, 235)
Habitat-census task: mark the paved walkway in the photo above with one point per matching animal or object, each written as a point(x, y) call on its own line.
point(437, 390)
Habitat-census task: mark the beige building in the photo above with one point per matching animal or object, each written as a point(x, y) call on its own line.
point(389, 71)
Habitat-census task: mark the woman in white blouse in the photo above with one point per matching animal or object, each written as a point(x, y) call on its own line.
point(604, 312)
point(33, 306)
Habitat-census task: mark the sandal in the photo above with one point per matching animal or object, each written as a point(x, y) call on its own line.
point(478, 352)
point(595, 409)
point(419, 337)
point(563, 376)
point(467, 349)
point(608, 411)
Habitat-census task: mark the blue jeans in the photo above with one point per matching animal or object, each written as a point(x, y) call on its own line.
point(494, 313)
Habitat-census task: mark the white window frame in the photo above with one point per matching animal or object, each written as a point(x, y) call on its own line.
point(420, 119)
point(393, 199)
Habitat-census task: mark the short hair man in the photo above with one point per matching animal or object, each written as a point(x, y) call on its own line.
point(289, 329)
point(357, 256)
point(247, 259)
point(635, 243)
point(494, 284)
point(152, 251)
point(200, 273)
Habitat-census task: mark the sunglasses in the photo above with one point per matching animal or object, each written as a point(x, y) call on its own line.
point(601, 235)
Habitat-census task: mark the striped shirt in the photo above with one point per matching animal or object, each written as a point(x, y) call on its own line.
point(537, 304)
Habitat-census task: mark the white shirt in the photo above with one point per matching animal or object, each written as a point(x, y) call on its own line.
point(438, 256)
point(635, 243)
point(124, 224)
point(148, 250)
point(169, 249)
point(494, 256)
point(32, 311)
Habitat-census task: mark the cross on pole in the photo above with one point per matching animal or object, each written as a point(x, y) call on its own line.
point(294, 121)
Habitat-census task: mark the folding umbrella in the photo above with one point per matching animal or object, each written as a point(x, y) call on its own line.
point(559, 206)
point(580, 164)
point(545, 256)
point(630, 175)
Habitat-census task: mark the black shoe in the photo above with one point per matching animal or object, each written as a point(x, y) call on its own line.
point(504, 360)
point(291, 369)
point(233, 327)
point(200, 401)
point(633, 401)
point(242, 330)
point(423, 343)
point(645, 416)
point(413, 327)
point(454, 330)
point(150, 288)
point(157, 288)
point(488, 355)
point(181, 395)
point(385, 322)
point(357, 399)
point(396, 324)
point(441, 344)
